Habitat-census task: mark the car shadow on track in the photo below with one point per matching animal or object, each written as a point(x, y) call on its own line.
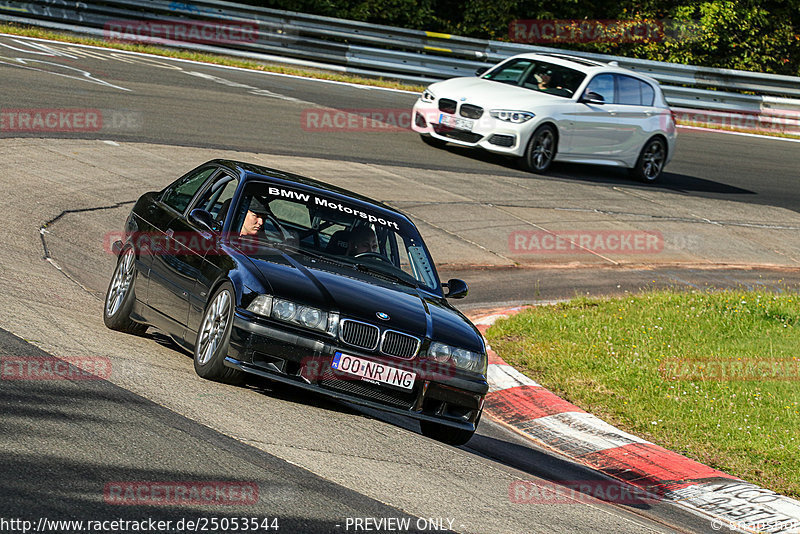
point(553, 479)
point(264, 386)
point(598, 174)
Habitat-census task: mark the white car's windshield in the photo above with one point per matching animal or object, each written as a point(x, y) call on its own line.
point(538, 76)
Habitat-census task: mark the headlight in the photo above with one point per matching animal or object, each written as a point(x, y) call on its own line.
point(292, 312)
point(427, 96)
point(510, 115)
point(283, 309)
point(461, 358)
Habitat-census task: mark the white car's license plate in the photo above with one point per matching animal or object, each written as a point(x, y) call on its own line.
point(373, 371)
point(455, 122)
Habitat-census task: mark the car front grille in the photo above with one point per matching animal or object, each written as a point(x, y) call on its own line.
point(471, 112)
point(459, 135)
point(399, 345)
point(362, 335)
point(447, 105)
point(365, 390)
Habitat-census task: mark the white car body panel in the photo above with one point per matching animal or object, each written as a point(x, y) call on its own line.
point(601, 134)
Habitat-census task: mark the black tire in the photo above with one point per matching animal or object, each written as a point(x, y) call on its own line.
point(213, 337)
point(445, 434)
point(432, 141)
point(541, 150)
point(120, 296)
point(652, 158)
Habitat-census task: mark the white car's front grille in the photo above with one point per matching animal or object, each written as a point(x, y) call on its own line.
point(471, 112)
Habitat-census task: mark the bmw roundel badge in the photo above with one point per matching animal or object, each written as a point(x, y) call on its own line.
point(382, 316)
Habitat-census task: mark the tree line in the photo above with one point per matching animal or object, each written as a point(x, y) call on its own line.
point(754, 35)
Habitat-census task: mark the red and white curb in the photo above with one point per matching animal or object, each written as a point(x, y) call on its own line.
point(728, 502)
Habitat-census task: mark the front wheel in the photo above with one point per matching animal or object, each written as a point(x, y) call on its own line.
point(651, 161)
point(541, 150)
point(445, 434)
point(213, 338)
point(120, 296)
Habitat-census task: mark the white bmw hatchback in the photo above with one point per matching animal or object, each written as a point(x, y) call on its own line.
point(543, 108)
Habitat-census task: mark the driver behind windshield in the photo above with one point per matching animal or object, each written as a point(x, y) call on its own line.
point(254, 220)
point(362, 239)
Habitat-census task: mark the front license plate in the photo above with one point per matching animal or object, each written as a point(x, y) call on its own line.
point(373, 371)
point(455, 122)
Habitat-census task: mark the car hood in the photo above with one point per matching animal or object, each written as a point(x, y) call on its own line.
point(361, 296)
point(492, 95)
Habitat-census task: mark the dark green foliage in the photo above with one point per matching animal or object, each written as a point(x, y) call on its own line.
point(757, 35)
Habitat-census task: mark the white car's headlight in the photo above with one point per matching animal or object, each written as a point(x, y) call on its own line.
point(461, 358)
point(427, 96)
point(510, 115)
point(292, 312)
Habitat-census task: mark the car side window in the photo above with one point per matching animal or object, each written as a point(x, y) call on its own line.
point(648, 94)
point(180, 194)
point(634, 92)
point(603, 85)
point(217, 198)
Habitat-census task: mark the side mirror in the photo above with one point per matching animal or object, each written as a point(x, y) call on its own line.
point(204, 220)
point(481, 71)
point(456, 289)
point(590, 97)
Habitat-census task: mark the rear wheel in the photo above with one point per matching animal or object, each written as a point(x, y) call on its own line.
point(445, 434)
point(120, 296)
point(651, 161)
point(432, 141)
point(213, 338)
point(541, 150)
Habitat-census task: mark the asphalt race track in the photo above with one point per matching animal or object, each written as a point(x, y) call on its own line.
point(315, 463)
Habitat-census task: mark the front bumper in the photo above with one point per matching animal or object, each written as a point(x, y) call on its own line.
point(296, 358)
point(486, 132)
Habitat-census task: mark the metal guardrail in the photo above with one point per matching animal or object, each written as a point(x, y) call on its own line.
point(407, 55)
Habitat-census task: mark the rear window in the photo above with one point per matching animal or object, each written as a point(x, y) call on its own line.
point(634, 92)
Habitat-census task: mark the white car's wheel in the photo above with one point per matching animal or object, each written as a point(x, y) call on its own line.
point(541, 150)
point(651, 161)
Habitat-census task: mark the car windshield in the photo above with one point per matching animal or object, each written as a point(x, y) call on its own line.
point(538, 76)
point(307, 222)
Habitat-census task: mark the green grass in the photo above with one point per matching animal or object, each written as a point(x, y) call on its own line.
point(29, 31)
point(673, 368)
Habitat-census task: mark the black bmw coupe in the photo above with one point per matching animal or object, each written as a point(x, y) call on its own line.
point(260, 271)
